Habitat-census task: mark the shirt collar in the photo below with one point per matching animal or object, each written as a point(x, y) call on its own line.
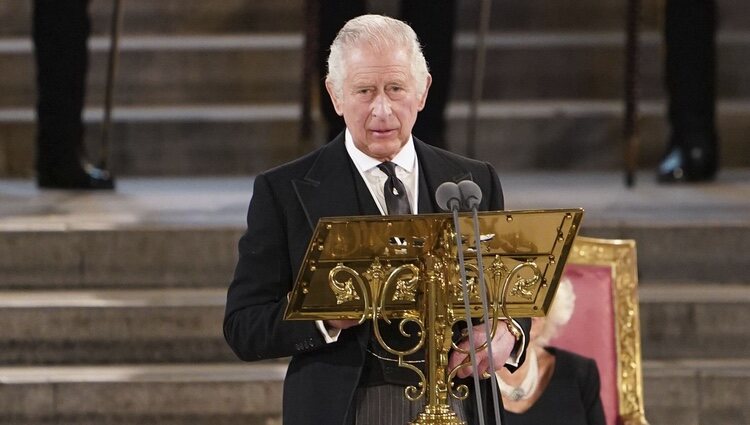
point(405, 158)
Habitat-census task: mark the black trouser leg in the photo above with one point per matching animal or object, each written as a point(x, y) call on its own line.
point(434, 22)
point(60, 31)
point(691, 71)
point(333, 15)
point(60, 34)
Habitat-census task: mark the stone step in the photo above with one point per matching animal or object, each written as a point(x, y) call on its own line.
point(164, 394)
point(245, 68)
point(694, 321)
point(113, 326)
point(174, 17)
point(695, 392)
point(70, 258)
point(242, 140)
point(179, 70)
point(183, 232)
point(584, 65)
point(539, 15)
point(179, 325)
point(687, 253)
point(236, 16)
point(205, 258)
point(678, 391)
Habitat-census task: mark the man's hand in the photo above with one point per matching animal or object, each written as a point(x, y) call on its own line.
point(340, 324)
point(502, 345)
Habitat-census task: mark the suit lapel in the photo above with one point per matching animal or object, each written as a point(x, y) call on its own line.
point(329, 188)
point(424, 203)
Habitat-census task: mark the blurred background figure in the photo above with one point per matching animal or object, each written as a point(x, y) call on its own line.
point(689, 34)
point(553, 386)
point(60, 33)
point(434, 22)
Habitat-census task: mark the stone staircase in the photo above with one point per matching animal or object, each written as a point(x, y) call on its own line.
point(111, 303)
point(207, 90)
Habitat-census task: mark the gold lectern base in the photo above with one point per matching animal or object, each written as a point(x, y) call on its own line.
point(437, 415)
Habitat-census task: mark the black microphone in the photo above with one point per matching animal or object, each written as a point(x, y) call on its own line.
point(448, 196)
point(471, 194)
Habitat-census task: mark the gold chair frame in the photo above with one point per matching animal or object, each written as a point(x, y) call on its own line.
point(620, 256)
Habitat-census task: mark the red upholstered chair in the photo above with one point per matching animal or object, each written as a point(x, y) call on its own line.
point(605, 324)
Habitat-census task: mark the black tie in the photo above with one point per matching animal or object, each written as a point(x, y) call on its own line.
point(394, 191)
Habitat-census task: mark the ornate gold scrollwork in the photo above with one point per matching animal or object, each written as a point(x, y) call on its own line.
point(526, 283)
point(406, 288)
point(524, 286)
point(343, 290)
point(411, 392)
point(497, 270)
point(461, 391)
point(472, 284)
point(375, 274)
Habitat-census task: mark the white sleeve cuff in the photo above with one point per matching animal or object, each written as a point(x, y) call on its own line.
point(515, 356)
point(330, 335)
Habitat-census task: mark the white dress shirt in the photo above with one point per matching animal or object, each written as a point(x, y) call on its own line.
point(407, 170)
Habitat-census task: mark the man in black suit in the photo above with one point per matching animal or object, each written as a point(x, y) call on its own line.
point(60, 33)
point(690, 75)
point(378, 81)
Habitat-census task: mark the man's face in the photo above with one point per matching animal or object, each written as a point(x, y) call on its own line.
point(380, 100)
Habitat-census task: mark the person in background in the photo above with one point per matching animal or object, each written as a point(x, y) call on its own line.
point(435, 24)
point(553, 386)
point(689, 34)
point(338, 373)
point(60, 34)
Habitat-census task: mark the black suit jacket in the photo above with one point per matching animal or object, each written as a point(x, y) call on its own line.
point(286, 204)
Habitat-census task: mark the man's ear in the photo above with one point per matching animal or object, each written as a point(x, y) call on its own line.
point(423, 99)
point(336, 101)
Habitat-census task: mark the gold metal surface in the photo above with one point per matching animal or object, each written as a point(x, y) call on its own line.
point(620, 257)
point(406, 267)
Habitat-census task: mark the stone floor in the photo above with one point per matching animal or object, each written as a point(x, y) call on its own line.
point(223, 201)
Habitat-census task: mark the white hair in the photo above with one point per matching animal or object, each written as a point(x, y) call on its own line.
point(559, 312)
point(381, 33)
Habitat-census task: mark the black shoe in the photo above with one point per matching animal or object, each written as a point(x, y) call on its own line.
point(85, 177)
point(688, 165)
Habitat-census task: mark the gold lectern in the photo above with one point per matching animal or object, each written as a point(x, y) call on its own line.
point(406, 267)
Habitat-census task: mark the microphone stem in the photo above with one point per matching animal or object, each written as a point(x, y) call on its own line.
point(485, 308)
point(467, 308)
